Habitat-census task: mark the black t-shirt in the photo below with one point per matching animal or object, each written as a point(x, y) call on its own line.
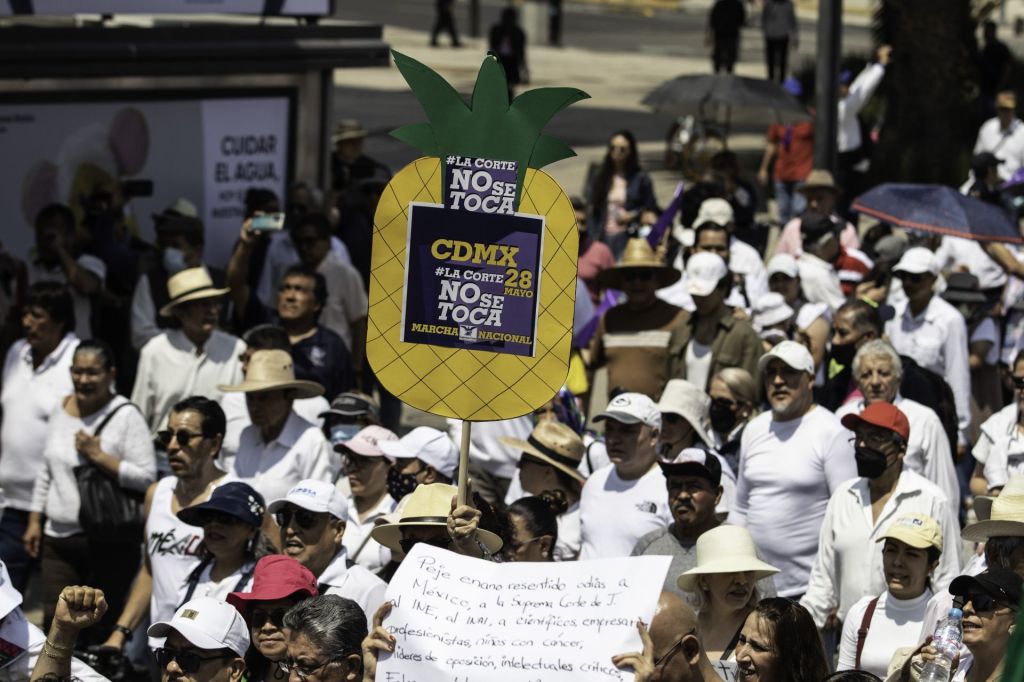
point(727, 18)
point(325, 359)
point(994, 58)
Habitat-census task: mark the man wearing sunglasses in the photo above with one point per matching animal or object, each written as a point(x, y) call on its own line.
point(932, 332)
point(192, 441)
point(206, 641)
point(312, 518)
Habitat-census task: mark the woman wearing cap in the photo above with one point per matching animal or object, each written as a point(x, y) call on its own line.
point(779, 643)
point(93, 427)
point(876, 626)
point(548, 466)
point(812, 319)
point(723, 585)
point(278, 583)
point(366, 470)
point(621, 193)
point(232, 541)
point(279, 448)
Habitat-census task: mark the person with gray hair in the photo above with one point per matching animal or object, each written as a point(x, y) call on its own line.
point(325, 636)
point(877, 371)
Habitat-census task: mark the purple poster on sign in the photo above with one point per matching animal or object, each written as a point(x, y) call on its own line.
point(472, 281)
point(480, 185)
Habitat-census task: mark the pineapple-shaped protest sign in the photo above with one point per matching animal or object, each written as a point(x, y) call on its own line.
point(473, 272)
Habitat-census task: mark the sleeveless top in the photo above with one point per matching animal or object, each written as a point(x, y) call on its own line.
point(171, 545)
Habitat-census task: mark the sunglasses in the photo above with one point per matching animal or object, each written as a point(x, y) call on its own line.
point(304, 518)
point(188, 660)
point(912, 277)
point(985, 602)
point(181, 436)
point(259, 617)
point(664, 658)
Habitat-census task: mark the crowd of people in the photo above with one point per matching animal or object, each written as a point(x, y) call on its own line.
point(824, 436)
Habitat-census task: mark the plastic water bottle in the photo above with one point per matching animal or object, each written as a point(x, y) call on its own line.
point(948, 635)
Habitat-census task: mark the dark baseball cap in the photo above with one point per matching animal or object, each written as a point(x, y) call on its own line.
point(1001, 584)
point(815, 225)
point(352, 404)
point(237, 499)
point(694, 462)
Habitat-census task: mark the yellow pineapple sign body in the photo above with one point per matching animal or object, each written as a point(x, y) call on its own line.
point(460, 383)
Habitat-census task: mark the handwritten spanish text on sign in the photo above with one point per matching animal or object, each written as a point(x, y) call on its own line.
point(472, 280)
point(458, 619)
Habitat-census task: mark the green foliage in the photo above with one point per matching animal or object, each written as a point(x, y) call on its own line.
point(489, 126)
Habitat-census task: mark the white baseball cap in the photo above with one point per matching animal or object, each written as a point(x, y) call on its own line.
point(207, 623)
point(428, 445)
point(316, 496)
point(917, 261)
point(714, 210)
point(771, 309)
point(632, 408)
point(783, 263)
point(792, 353)
point(704, 271)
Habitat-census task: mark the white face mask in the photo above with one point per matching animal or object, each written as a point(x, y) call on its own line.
point(174, 260)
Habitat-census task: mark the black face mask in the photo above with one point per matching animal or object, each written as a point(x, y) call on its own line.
point(723, 418)
point(843, 353)
point(399, 484)
point(870, 462)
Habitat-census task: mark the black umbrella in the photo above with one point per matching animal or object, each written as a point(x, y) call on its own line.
point(737, 98)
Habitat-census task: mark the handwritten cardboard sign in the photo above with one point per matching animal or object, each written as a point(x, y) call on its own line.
point(458, 619)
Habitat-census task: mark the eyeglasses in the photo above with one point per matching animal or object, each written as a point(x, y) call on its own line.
point(304, 518)
point(181, 436)
point(288, 666)
point(188, 660)
point(259, 617)
point(407, 544)
point(664, 658)
point(985, 602)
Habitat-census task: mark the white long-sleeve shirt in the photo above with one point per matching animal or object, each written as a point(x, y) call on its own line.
point(30, 395)
point(1002, 424)
point(849, 561)
point(928, 448)
point(1007, 144)
point(125, 437)
point(171, 370)
point(937, 340)
point(861, 90)
point(787, 473)
point(895, 623)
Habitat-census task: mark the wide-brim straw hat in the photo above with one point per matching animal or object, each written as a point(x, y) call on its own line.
point(1003, 515)
point(191, 284)
point(428, 506)
point(348, 129)
point(272, 370)
point(638, 255)
point(820, 179)
point(553, 443)
point(725, 549)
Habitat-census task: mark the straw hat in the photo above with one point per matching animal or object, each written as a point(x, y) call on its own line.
point(272, 370)
point(638, 255)
point(725, 549)
point(820, 179)
point(1003, 515)
point(348, 129)
point(428, 506)
point(553, 443)
point(191, 284)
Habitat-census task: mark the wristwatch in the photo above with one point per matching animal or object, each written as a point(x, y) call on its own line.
point(124, 631)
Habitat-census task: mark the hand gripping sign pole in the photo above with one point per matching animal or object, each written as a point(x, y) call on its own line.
point(473, 267)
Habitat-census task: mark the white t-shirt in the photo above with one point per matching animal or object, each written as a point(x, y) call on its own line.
point(568, 545)
point(698, 362)
point(1005, 459)
point(787, 473)
point(614, 513)
point(895, 623)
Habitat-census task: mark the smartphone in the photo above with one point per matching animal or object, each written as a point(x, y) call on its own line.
point(268, 222)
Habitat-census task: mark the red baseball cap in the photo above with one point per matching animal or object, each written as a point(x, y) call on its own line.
point(276, 577)
point(882, 415)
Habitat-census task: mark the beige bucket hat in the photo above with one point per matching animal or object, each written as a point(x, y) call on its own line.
point(725, 549)
point(272, 370)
